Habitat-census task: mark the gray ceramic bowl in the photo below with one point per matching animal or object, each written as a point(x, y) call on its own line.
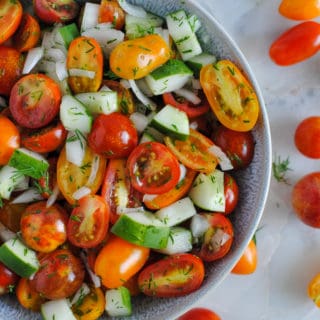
point(254, 181)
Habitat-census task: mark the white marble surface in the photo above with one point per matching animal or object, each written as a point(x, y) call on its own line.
point(288, 250)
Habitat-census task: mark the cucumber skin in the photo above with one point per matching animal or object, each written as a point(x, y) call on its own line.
point(68, 33)
point(172, 67)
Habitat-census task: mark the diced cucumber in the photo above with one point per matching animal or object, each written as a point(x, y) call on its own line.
point(9, 179)
point(74, 115)
point(57, 310)
point(177, 212)
point(194, 22)
point(180, 241)
point(197, 62)
point(136, 27)
point(183, 34)
point(172, 121)
point(29, 163)
point(143, 229)
point(156, 134)
point(99, 102)
point(118, 302)
point(207, 191)
point(173, 75)
point(146, 137)
point(68, 33)
point(19, 258)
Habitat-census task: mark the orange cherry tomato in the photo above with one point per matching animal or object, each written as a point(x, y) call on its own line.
point(193, 152)
point(230, 95)
point(248, 262)
point(27, 35)
point(11, 64)
point(10, 13)
point(313, 289)
point(9, 139)
point(199, 314)
point(110, 11)
point(45, 140)
point(70, 177)
point(300, 9)
point(118, 261)
point(85, 54)
point(27, 296)
point(134, 59)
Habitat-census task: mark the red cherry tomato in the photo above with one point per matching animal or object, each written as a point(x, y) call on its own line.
point(306, 199)
point(113, 135)
point(238, 146)
point(47, 183)
point(296, 44)
point(44, 229)
point(173, 276)
point(53, 11)
point(307, 137)
point(199, 314)
point(231, 193)
point(110, 11)
point(300, 9)
point(11, 64)
point(45, 140)
point(88, 222)
point(8, 279)
point(35, 100)
point(60, 275)
point(188, 107)
point(248, 262)
point(153, 168)
point(217, 239)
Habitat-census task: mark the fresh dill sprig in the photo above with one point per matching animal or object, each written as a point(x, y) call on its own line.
point(280, 168)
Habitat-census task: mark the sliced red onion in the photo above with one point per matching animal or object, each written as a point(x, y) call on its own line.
point(132, 9)
point(82, 73)
point(81, 192)
point(142, 97)
point(94, 169)
point(61, 70)
point(140, 121)
point(189, 95)
point(54, 196)
point(28, 196)
point(6, 234)
point(34, 55)
point(223, 159)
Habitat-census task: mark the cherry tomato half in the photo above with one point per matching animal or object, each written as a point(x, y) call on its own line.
point(9, 139)
point(88, 222)
point(113, 135)
point(306, 199)
point(153, 168)
point(54, 11)
point(118, 261)
point(307, 137)
point(8, 279)
point(44, 229)
point(199, 314)
point(231, 96)
point(35, 100)
point(217, 239)
point(11, 64)
point(300, 9)
point(173, 276)
point(231, 193)
point(314, 289)
point(248, 262)
point(298, 43)
point(238, 146)
point(10, 214)
point(60, 275)
point(110, 11)
point(10, 13)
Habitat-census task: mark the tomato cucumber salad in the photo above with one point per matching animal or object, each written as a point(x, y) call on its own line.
point(119, 140)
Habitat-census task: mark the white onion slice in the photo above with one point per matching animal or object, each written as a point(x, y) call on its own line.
point(82, 291)
point(82, 73)
point(189, 95)
point(183, 172)
point(3, 102)
point(33, 57)
point(23, 184)
point(148, 197)
point(140, 121)
point(125, 83)
point(90, 17)
point(141, 97)
point(61, 70)
point(54, 54)
point(54, 196)
point(132, 9)
point(81, 192)
point(105, 88)
point(122, 210)
point(28, 196)
point(199, 225)
point(47, 40)
point(223, 159)
point(5, 233)
point(94, 278)
point(94, 169)
point(196, 84)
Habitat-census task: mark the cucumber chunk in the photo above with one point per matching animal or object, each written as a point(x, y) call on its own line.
point(57, 310)
point(19, 258)
point(173, 75)
point(172, 121)
point(29, 163)
point(197, 62)
point(118, 302)
point(68, 33)
point(143, 229)
point(207, 191)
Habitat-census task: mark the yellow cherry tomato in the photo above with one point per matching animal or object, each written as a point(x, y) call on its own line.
point(314, 289)
point(134, 59)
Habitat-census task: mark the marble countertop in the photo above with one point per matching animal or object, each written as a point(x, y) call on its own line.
point(288, 250)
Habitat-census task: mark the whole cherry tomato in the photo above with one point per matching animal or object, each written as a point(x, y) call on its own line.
point(199, 314)
point(248, 262)
point(306, 199)
point(110, 11)
point(8, 279)
point(300, 9)
point(231, 193)
point(307, 137)
point(314, 289)
point(296, 44)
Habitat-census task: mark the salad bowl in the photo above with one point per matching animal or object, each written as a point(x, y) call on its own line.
point(253, 181)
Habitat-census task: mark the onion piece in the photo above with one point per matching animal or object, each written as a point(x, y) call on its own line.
point(81, 192)
point(199, 225)
point(54, 54)
point(183, 172)
point(33, 57)
point(6, 234)
point(82, 73)
point(196, 84)
point(140, 121)
point(94, 278)
point(54, 196)
point(122, 210)
point(28, 196)
point(76, 144)
point(23, 184)
point(132, 9)
point(90, 17)
point(94, 169)
point(188, 95)
point(141, 97)
point(125, 83)
point(224, 161)
point(80, 294)
point(148, 197)
point(61, 70)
